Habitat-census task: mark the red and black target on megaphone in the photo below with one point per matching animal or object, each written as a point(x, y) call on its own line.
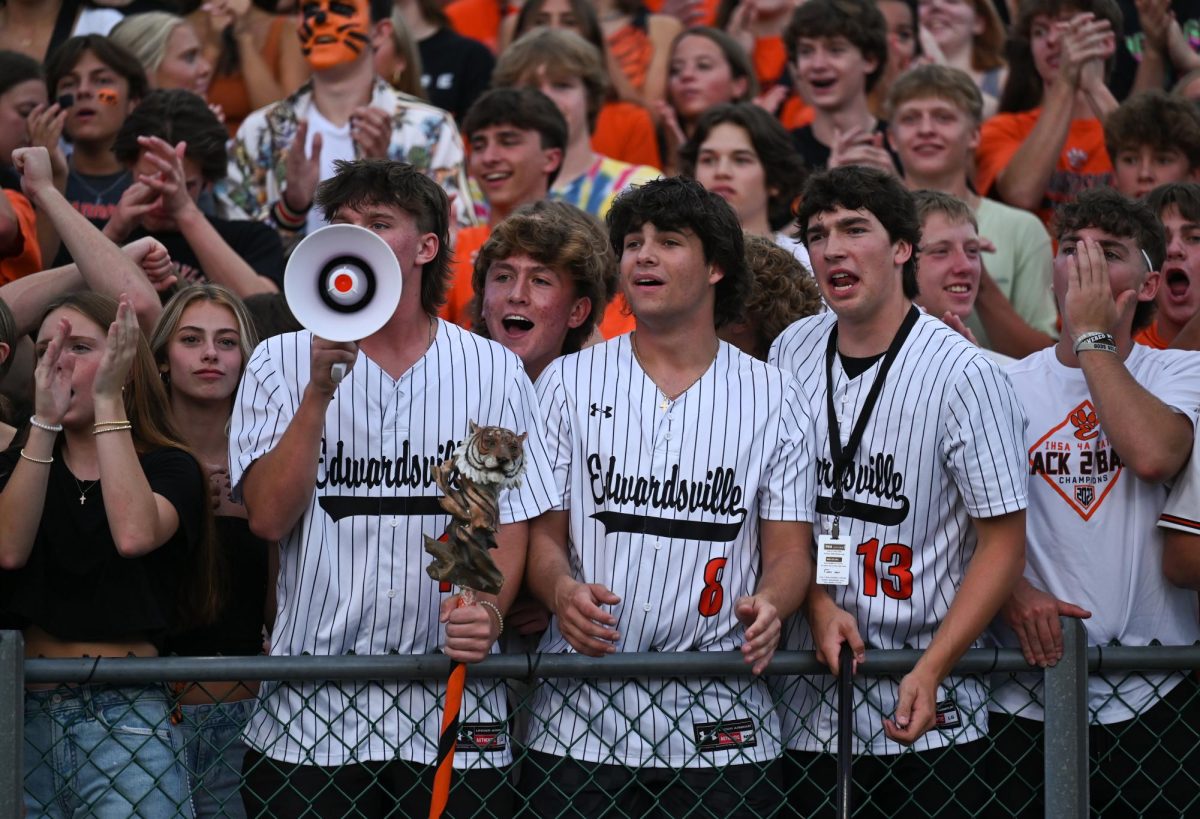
point(343, 283)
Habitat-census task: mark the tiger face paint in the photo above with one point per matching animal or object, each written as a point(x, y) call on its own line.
point(333, 32)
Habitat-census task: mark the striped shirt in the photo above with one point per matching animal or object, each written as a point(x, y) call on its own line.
point(943, 446)
point(352, 572)
point(665, 501)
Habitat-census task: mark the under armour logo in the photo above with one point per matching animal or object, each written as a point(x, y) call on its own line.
point(597, 410)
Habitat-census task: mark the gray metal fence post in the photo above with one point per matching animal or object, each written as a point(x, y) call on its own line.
point(12, 723)
point(1066, 727)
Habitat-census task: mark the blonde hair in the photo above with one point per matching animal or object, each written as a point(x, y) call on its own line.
point(145, 36)
point(782, 291)
point(941, 81)
point(561, 54)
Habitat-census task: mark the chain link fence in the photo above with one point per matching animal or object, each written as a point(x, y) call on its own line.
point(136, 737)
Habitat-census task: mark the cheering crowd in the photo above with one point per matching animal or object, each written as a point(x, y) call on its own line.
point(825, 323)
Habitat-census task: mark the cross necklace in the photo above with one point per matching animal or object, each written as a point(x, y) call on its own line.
point(84, 490)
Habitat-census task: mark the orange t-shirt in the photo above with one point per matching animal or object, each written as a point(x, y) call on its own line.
point(796, 113)
point(617, 319)
point(477, 19)
point(770, 59)
point(1082, 164)
point(630, 47)
point(625, 131)
point(1150, 337)
point(29, 259)
point(458, 299)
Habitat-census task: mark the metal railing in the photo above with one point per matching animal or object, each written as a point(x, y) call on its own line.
point(1065, 695)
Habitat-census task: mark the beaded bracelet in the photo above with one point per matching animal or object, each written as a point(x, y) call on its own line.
point(499, 617)
point(49, 460)
point(40, 424)
point(119, 426)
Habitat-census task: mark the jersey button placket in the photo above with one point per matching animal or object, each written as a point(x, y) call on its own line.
point(391, 433)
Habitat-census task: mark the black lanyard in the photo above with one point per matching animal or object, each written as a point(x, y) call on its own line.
point(842, 458)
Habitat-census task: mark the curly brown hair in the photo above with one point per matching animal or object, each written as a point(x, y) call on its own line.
point(1156, 119)
point(566, 240)
point(781, 292)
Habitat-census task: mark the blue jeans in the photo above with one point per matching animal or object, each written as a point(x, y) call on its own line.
point(212, 753)
point(103, 751)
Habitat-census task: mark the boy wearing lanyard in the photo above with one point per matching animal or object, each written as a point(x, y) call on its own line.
point(920, 491)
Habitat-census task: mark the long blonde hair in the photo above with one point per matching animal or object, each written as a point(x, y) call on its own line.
point(172, 314)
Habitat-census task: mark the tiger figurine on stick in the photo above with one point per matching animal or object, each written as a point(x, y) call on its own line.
point(490, 459)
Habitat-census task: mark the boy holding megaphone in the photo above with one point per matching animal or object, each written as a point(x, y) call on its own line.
point(341, 474)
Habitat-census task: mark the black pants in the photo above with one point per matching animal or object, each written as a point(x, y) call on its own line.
point(1146, 766)
point(367, 789)
point(948, 782)
point(556, 786)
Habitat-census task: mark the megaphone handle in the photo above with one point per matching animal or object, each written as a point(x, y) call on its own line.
point(337, 372)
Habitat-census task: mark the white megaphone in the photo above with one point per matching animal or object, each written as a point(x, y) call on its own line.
point(342, 282)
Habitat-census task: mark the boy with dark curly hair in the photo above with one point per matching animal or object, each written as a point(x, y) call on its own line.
point(1110, 425)
point(634, 559)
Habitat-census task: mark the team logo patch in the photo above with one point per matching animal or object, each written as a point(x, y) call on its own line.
point(482, 737)
point(1076, 459)
point(947, 716)
point(724, 736)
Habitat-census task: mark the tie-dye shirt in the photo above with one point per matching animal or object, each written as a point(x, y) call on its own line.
point(594, 190)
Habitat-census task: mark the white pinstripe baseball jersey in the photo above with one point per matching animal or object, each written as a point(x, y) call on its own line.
point(942, 446)
point(1092, 538)
point(352, 572)
point(665, 500)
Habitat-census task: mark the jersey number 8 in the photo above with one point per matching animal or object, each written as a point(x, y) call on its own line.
point(712, 594)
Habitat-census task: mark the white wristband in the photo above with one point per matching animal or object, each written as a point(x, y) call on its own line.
point(1102, 342)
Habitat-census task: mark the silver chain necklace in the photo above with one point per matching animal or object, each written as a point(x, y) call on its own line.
point(99, 194)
